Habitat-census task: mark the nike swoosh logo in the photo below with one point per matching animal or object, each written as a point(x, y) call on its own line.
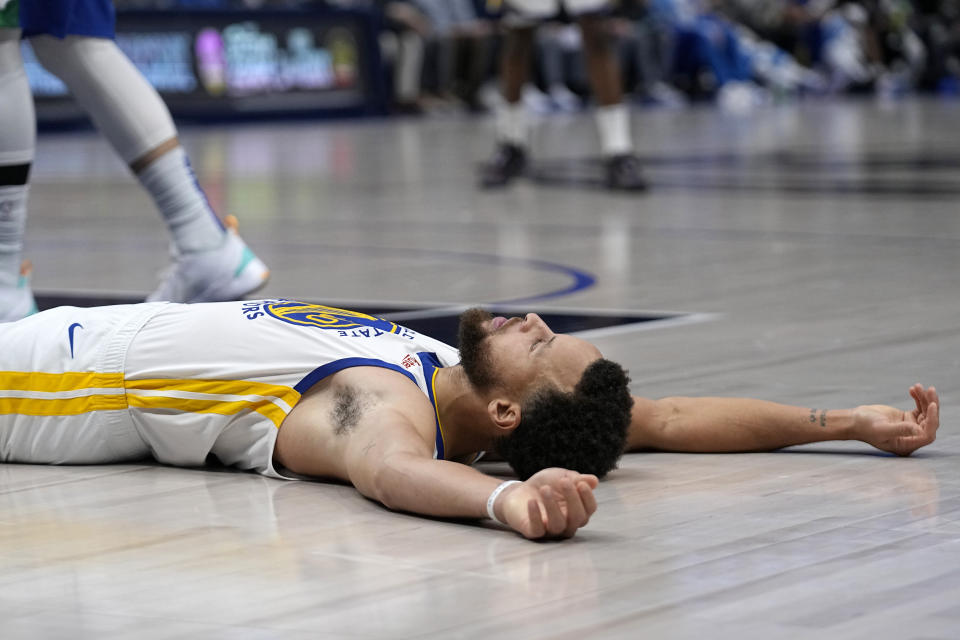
point(73, 327)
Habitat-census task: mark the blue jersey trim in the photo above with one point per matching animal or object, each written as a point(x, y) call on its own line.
point(431, 363)
point(331, 368)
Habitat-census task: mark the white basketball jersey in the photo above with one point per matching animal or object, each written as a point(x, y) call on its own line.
point(220, 378)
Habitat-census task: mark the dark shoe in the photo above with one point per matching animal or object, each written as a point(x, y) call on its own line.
point(408, 108)
point(624, 174)
point(508, 162)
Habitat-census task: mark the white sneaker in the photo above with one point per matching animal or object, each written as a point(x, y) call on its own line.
point(535, 100)
point(228, 272)
point(17, 302)
point(565, 100)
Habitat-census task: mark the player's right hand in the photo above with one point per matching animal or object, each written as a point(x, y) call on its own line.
point(552, 503)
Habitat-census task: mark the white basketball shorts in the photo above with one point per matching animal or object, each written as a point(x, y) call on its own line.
point(62, 397)
point(535, 10)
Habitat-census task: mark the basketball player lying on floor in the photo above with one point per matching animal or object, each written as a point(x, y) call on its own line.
point(283, 388)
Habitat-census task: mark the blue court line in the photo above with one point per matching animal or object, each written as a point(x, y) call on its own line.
point(580, 279)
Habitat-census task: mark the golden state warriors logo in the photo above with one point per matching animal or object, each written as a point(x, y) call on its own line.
point(315, 315)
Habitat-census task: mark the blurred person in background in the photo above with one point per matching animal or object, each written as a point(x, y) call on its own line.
point(404, 35)
point(520, 19)
point(715, 57)
point(460, 50)
point(789, 24)
point(648, 42)
point(937, 22)
point(402, 43)
point(558, 53)
point(899, 52)
point(863, 45)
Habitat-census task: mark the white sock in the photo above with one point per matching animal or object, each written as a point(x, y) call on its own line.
point(193, 224)
point(512, 126)
point(408, 65)
point(13, 221)
point(613, 122)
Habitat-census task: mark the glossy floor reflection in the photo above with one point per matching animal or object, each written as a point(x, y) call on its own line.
point(817, 248)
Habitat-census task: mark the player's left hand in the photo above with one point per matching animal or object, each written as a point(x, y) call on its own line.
point(898, 431)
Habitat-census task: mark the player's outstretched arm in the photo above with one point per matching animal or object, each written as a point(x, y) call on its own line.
point(741, 424)
point(401, 474)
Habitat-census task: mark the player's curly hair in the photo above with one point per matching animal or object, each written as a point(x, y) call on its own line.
point(584, 430)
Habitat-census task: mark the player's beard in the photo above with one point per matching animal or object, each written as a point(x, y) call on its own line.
point(474, 351)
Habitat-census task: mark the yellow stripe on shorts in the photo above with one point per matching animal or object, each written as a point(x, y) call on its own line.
point(62, 406)
point(91, 391)
point(217, 387)
point(95, 399)
point(264, 407)
point(55, 382)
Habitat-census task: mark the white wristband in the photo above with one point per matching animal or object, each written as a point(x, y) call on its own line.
point(492, 500)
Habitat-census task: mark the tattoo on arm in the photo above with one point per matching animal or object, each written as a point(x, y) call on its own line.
point(823, 418)
point(813, 416)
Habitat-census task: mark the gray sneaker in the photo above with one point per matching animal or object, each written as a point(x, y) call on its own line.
point(17, 302)
point(229, 272)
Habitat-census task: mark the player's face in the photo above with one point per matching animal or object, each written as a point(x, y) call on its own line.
point(474, 351)
point(521, 352)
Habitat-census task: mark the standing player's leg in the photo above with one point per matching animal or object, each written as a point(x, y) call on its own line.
point(17, 141)
point(509, 160)
point(510, 157)
point(613, 116)
point(211, 262)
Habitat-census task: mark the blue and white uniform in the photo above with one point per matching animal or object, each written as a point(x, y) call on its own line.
point(182, 382)
point(62, 18)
